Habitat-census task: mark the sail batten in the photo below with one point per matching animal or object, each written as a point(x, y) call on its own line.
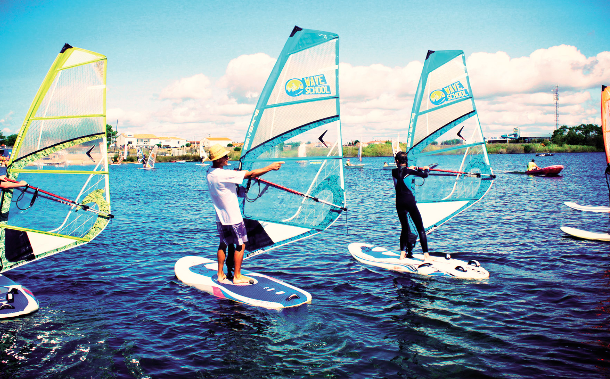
point(296, 120)
point(444, 130)
point(64, 133)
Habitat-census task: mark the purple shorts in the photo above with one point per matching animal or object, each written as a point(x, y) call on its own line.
point(232, 234)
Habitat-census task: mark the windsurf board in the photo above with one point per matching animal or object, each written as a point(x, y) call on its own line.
point(578, 233)
point(15, 300)
point(447, 267)
point(265, 292)
point(587, 208)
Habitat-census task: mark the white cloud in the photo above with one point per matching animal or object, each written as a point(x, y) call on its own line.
point(126, 117)
point(376, 100)
point(498, 74)
point(194, 87)
point(7, 122)
point(246, 75)
point(371, 82)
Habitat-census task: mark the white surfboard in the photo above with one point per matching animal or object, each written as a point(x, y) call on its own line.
point(265, 292)
point(447, 267)
point(587, 208)
point(578, 233)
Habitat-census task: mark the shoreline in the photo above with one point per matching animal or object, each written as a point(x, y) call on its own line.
point(385, 150)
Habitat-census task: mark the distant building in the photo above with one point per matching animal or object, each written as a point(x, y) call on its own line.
point(172, 142)
point(521, 139)
point(146, 140)
point(209, 141)
point(125, 139)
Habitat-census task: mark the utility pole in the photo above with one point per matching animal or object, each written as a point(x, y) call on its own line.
point(556, 98)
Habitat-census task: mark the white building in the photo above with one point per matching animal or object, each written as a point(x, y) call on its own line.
point(146, 140)
point(125, 139)
point(209, 141)
point(172, 142)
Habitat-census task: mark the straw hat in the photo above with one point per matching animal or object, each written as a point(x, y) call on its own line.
point(217, 152)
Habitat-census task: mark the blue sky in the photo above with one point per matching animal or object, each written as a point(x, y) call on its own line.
point(153, 45)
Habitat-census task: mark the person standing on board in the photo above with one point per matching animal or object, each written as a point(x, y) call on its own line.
point(532, 166)
point(406, 205)
point(222, 186)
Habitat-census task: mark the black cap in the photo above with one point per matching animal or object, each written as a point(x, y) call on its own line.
point(66, 47)
point(295, 30)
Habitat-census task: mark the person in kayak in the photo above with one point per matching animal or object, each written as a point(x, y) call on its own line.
point(406, 205)
point(532, 166)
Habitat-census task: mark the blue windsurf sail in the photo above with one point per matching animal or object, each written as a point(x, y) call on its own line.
point(445, 131)
point(297, 121)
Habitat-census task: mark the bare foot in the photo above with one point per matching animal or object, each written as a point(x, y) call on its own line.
point(427, 257)
point(403, 255)
point(221, 277)
point(242, 279)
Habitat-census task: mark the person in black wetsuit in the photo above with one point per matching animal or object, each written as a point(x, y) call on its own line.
point(406, 205)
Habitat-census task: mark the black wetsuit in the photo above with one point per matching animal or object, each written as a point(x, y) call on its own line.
point(406, 205)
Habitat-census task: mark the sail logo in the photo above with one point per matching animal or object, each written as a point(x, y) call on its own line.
point(451, 92)
point(310, 85)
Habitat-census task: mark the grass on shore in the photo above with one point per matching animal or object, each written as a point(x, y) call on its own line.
point(385, 150)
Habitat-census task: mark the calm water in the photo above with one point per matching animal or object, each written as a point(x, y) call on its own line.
point(114, 308)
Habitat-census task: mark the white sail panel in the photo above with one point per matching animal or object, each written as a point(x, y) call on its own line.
point(81, 56)
point(279, 120)
point(42, 243)
point(310, 73)
point(75, 91)
point(434, 213)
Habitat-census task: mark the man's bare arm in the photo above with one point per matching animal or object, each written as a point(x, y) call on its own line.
point(260, 171)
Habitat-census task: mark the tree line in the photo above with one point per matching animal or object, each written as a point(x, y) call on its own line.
point(583, 134)
point(8, 140)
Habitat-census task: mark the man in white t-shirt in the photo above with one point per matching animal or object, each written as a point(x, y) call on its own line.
point(222, 186)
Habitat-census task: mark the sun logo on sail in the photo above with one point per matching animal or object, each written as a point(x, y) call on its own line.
point(294, 87)
point(437, 97)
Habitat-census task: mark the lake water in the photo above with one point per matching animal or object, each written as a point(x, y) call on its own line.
point(114, 309)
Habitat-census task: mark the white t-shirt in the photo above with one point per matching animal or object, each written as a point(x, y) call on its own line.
point(223, 191)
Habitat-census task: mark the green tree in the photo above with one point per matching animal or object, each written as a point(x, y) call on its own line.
point(455, 141)
point(110, 134)
point(558, 137)
point(10, 140)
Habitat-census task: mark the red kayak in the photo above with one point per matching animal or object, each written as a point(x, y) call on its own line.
point(546, 171)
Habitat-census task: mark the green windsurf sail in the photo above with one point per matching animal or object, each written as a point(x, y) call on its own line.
point(297, 121)
point(61, 152)
point(445, 131)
